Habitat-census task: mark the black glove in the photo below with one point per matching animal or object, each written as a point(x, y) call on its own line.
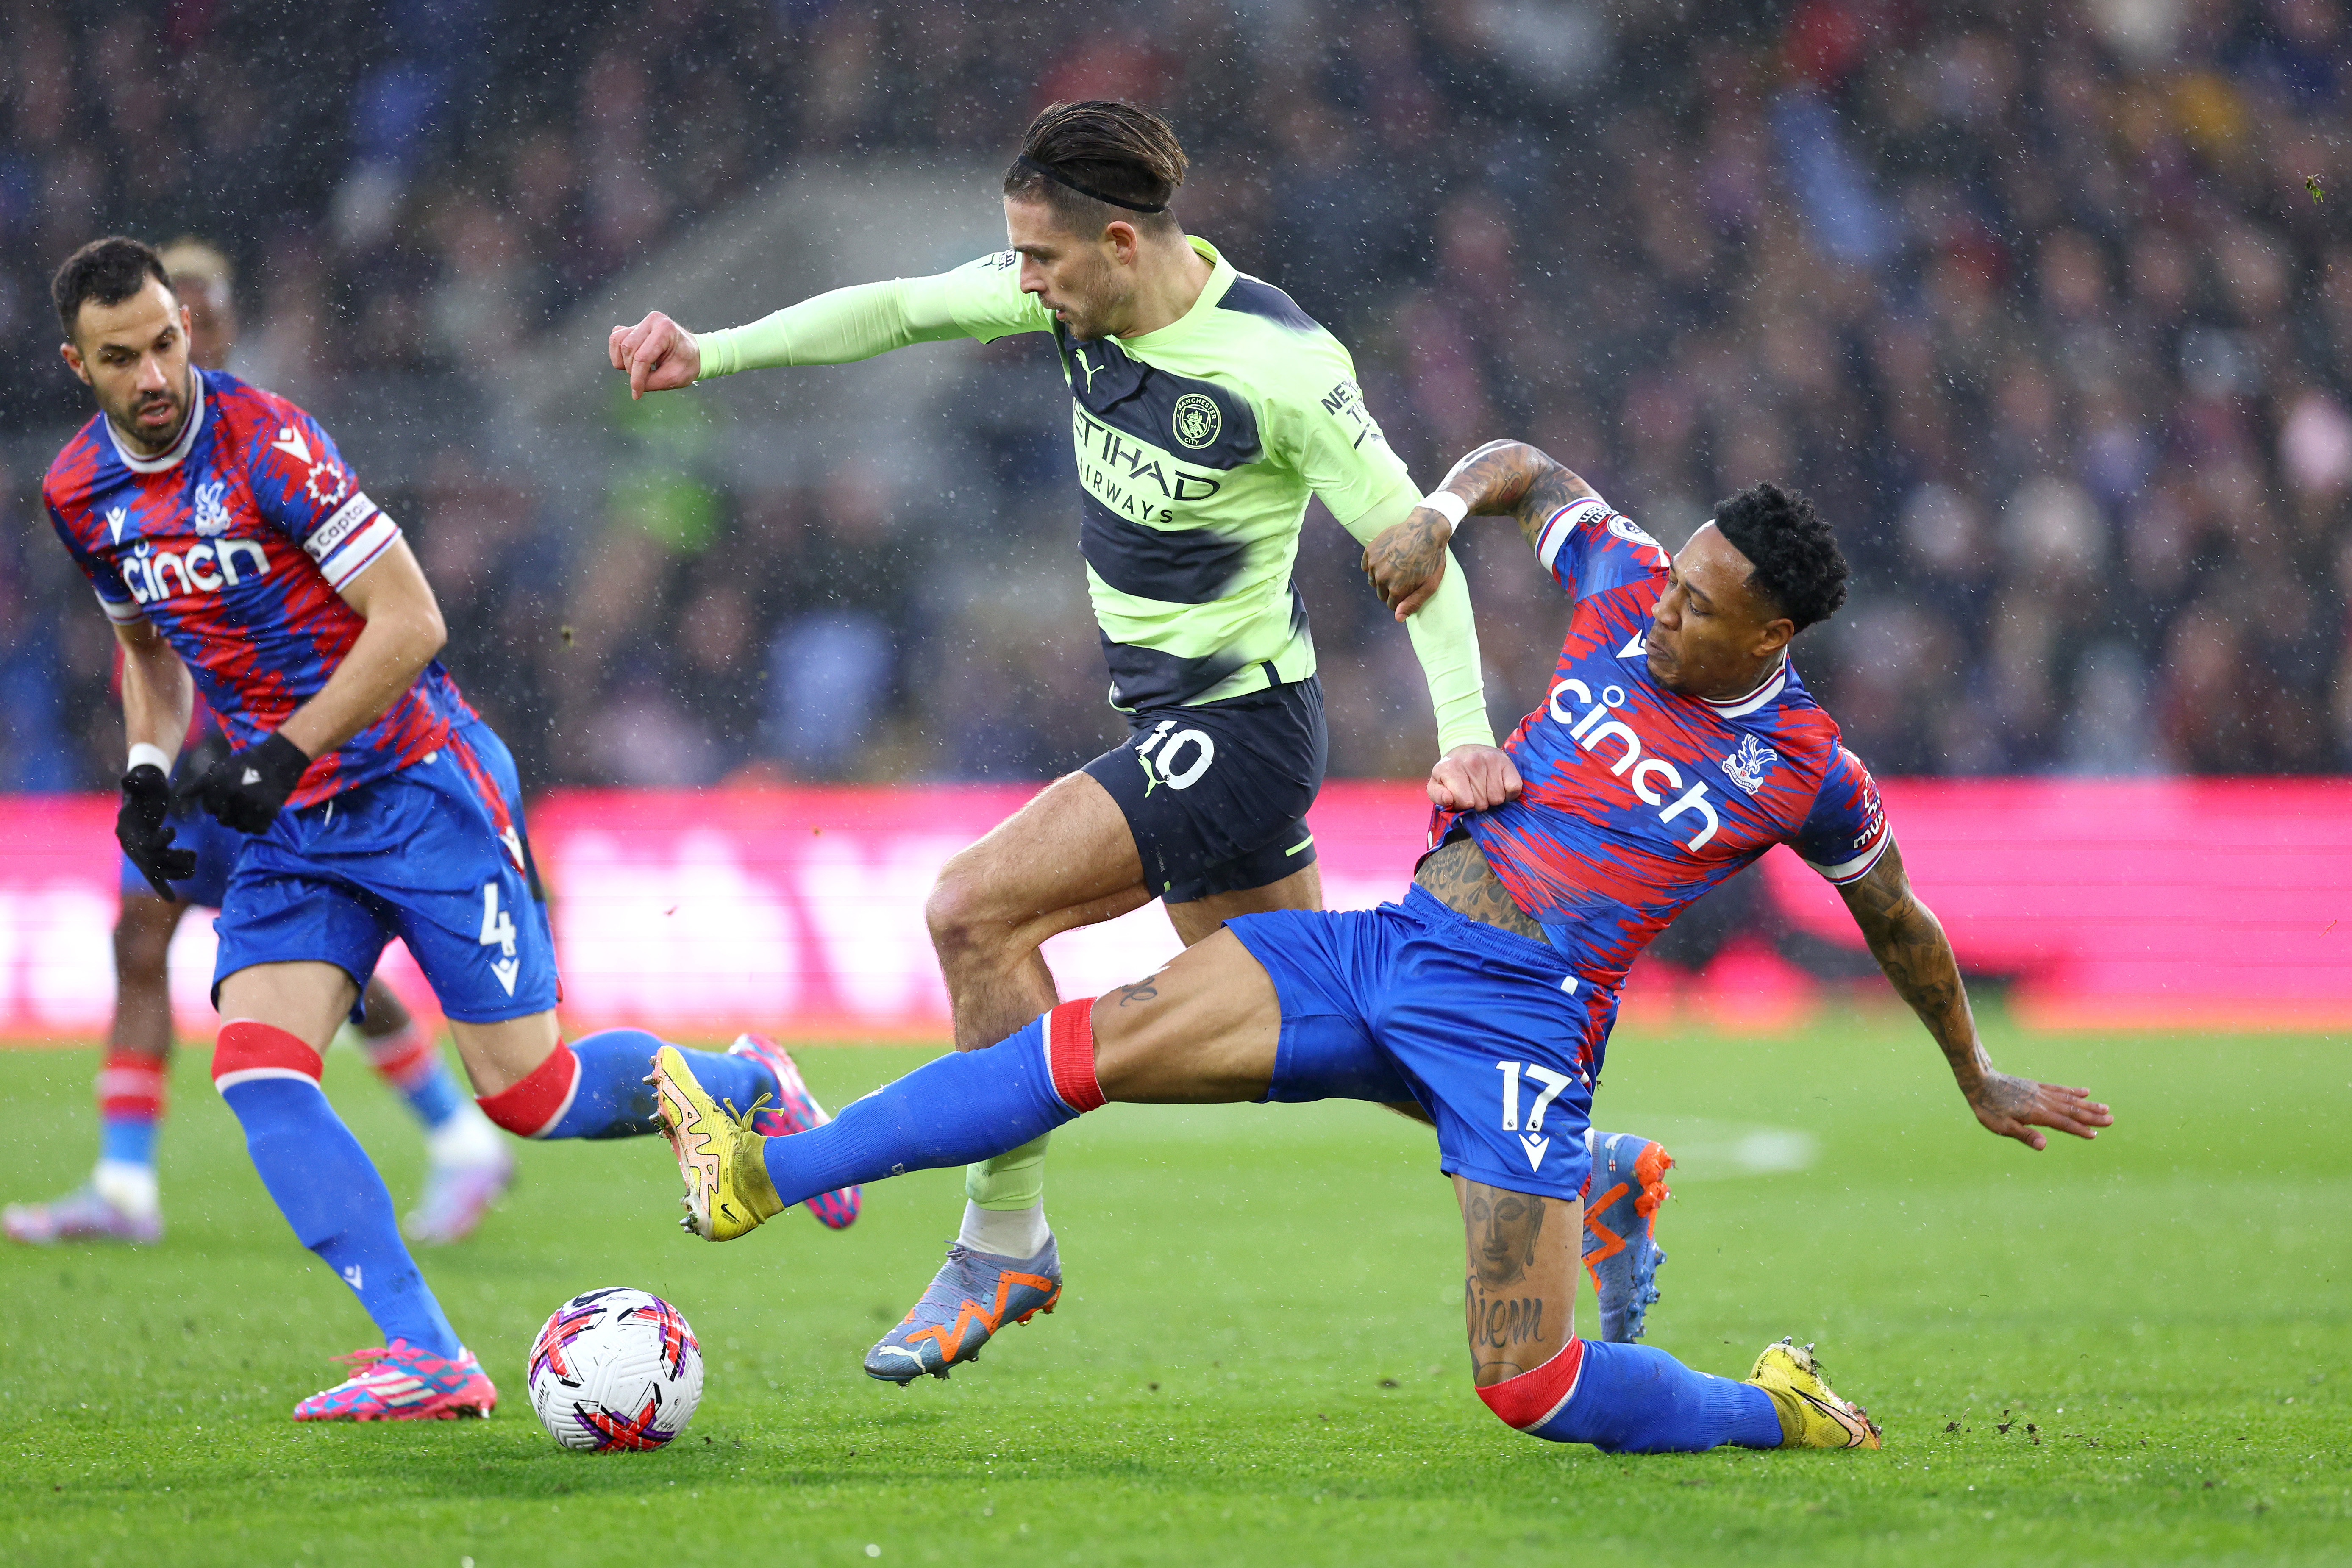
point(146, 837)
point(246, 789)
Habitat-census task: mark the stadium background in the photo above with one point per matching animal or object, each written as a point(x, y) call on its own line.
point(2050, 307)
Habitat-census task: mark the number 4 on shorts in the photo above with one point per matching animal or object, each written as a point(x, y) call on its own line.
point(499, 932)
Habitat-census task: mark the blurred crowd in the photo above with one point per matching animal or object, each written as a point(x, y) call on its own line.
point(2047, 307)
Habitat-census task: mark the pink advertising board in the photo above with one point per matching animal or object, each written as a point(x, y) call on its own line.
point(2190, 904)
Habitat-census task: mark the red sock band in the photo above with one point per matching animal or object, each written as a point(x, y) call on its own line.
point(130, 1084)
point(1526, 1402)
point(248, 1050)
point(405, 1057)
point(1070, 1053)
point(531, 1109)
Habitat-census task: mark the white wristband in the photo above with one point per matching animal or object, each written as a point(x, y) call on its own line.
point(1447, 505)
point(146, 751)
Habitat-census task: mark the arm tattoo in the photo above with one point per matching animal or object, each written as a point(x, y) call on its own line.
point(1513, 478)
point(1457, 873)
point(1141, 991)
point(1912, 950)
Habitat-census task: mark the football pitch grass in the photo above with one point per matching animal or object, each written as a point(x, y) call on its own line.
point(2134, 1351)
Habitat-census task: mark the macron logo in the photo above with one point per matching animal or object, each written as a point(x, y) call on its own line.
point(289, 441)
point(116, 516)
point(353, 1276)
point(507, 969)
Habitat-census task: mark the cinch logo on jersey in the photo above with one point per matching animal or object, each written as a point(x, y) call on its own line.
point(1645, 774)
point(154, 575)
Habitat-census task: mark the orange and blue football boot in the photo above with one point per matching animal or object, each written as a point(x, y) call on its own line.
point(401, 1383)
point(973, 1295)
point(1621, 1243)
point(795, 1110)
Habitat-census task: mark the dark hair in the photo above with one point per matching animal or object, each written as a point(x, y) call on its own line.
point(1796, 561)
point(1115, 149)
point(108, 270)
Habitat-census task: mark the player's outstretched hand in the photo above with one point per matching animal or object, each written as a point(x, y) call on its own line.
point(659, 355)
point(145, 834)
point(246, 789)
point(2019, 1108)
point(1407, 562)
point(1472, 778)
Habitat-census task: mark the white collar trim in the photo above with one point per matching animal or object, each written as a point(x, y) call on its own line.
point(1741, 707)
point(179, 449)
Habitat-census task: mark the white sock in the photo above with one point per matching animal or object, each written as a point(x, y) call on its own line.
point(1006, 1233)
point(466, 1138)
point(128, 1187)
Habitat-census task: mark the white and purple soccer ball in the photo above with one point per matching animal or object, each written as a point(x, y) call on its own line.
point(616, 1368)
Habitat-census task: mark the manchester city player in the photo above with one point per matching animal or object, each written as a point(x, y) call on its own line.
point(1676, 745)
point(467, 1165)
point(1207, 407)
point(227, 541)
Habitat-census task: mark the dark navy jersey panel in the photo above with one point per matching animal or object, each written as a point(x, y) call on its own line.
point(1176, 565)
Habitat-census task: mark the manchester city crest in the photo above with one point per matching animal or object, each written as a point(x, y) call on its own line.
point(1746, 766)
point(1197, 421)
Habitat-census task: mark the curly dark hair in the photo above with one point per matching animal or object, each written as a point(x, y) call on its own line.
point(1796, 561)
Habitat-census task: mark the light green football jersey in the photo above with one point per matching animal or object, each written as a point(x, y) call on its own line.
point(1198, 445)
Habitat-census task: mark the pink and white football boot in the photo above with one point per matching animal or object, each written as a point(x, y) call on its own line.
point(401, 1382)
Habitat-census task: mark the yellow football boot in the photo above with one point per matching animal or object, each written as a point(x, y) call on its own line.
point(728, 1192)
point(1811, 1416)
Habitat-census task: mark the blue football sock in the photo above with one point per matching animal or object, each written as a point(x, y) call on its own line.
point(964, 1107)
point(1637, 1399)
point(329, 1192)
point(613, 1100)
point(433, 1096)
point(126, 1140)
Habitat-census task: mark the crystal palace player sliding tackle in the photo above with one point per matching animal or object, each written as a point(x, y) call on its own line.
point(1675, 746)
point(226, 538)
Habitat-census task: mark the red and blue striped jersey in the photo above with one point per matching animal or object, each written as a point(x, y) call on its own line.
point(235, 544)
point(1638, 800)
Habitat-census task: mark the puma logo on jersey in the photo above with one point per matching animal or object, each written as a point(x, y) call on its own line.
point(289, 441)
point(1080, 355)
point(1595, 726)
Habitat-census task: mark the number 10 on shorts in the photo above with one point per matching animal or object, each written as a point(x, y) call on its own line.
point(1552, 1082)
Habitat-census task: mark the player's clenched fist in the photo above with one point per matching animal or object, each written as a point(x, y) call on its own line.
point(246, 789)
point(146, 836)
point(1474, 778)
point(659, 355)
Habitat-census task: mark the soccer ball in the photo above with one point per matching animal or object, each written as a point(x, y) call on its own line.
point(616, 1368)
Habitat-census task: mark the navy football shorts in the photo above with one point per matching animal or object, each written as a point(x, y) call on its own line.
point(1489, 1031)
point(1216, 795)
point(415, 855)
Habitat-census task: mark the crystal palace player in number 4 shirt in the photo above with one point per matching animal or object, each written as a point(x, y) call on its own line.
point(225, 536)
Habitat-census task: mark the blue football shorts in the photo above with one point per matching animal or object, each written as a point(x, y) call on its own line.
point(1490, 1032)
point(416, 855)
point(216, 846)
